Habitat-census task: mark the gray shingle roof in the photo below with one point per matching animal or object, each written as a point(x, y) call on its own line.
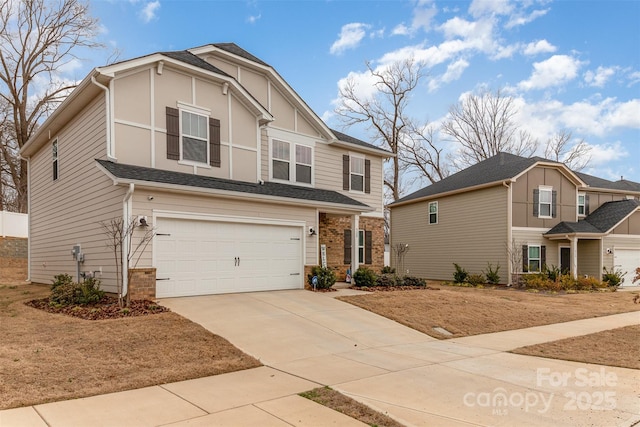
point(191, 59)
point(237, 50)
point(347, 138)
point(602, 220)
point(623, 184)
point(500, 167)
point(197, 181)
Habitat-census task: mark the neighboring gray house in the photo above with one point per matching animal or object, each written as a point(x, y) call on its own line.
point(244, 184)
point(520, 213)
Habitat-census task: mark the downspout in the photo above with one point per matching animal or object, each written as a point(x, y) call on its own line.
point(29, 219)
point(126, 220)
point(509, 231)
point(108, 113)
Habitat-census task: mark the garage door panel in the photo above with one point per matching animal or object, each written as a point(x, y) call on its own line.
point(199, 257)
point(627, 260)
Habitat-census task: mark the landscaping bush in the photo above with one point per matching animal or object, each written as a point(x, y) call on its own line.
point(326, 278)
point(460, 275)
point(65, 291)
point(414, 281)
point(476, 279)
point(589, 283)
point(553, 273)
point(613, 277)
point(563, 282)
point(365, 277)
point(388, 270)
point(388, 280)
point(493, 278)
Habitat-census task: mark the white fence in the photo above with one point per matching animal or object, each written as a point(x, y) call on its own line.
point(14, 224)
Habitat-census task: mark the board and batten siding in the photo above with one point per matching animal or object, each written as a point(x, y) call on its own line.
point(211, 205)
point(68, 211)
point(471, 231)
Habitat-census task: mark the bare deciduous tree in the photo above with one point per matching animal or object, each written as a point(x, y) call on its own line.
point(576, 156)
point(484, 125)
point(385, 114)
point(121, 235)
point(37, 39)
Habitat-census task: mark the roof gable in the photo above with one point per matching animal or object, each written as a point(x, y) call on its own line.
point(600, 221)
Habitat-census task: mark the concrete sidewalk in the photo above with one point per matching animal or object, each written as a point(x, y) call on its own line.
point(309, 339)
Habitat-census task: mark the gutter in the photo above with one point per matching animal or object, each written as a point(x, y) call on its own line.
point(126, 219)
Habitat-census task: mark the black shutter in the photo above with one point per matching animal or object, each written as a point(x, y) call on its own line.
point(368, 244)
point(345, 173)
point(367, 178)
point(543, 258)
point(554, 204)
point(173, 133)
point(214, 142)
point(525, 258)
point(347, 246)
point(536, 202)
point(586, 204)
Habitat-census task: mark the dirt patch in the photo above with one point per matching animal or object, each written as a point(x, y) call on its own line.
point(339, 402)
point(617, 347)
point(47, 357)
point(392, 288)
point(106, 308)
point(472, 311)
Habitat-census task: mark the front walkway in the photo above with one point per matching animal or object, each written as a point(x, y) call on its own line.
point(309, 339)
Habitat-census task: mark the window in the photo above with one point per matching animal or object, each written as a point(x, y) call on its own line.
point(357, 174)
point(281, 157)
point(361, 246)
point(581, 204)
point(545, 202)
point(194, 137)
point(54, 147)
point(433, 212)
point(534, 258)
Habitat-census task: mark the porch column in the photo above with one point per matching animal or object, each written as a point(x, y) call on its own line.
point(355, 227)
point(574, 256)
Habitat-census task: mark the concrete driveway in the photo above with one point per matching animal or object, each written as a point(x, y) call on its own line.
point(415, 378)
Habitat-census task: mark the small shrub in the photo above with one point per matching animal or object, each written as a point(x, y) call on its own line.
point(388, 280)
point(61, 279)
point(613, 277)
point(414, 281)
point(388, 270)
point(535, 281)
point(553, 272)
point(589, 283)
point(493, 278)
point(65, 292)
point(326, 278)
point(460, 275)
point(476, 279)
point(365, 277)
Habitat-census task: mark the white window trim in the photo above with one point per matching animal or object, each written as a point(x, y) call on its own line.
point(364, 184)
point(540, 190)
point(292, 162)
point(584, 205)
point(437, 213)
point(539, 258)
point(200, 112)
point(363, 246)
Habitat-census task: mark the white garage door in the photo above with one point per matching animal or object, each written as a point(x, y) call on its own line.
point(627, 260)
point(211, 257)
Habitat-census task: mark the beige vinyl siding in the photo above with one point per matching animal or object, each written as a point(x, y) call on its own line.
point(567, 196)
point(211, 205)
point(589, 258)
point(282, 111)
point(471, 231)
point(597, 199)
point(256, 84)
point(68, 211)
point(304, 127)
point(534, 236)
point(630, 225)
point(132, 97)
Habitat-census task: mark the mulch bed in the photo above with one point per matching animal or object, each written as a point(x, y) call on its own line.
point(391, 288)
point(106, 308)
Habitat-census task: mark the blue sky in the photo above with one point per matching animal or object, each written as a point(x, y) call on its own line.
point(571, 65)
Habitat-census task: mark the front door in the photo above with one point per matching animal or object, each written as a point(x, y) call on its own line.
point(565, 260)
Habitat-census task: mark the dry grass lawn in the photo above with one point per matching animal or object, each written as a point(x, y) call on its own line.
point(617, 347)
point(339, 402)
point(46, 357)
point(472, 311)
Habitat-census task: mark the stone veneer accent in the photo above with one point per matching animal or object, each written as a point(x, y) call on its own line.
point(14, 259)
point(331, 234)
point(142, 283)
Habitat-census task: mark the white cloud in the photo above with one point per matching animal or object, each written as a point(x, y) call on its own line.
point(522, 19)
point(423, 14)
point(599, 77)
point(602, 154)
point(149, 11)
point(540, 46)
point(634, 77)
point(554, 71)
point(454, 72)
point(490, 7)
point(349, 38)
point(252, 19)
point(400, 30)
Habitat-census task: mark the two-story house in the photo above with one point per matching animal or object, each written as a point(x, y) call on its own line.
point(244, 185)
point(521, 214)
